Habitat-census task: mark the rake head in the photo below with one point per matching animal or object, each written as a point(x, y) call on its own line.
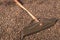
point(35, 27)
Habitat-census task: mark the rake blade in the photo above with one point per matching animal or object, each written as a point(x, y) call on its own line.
point(35, 27)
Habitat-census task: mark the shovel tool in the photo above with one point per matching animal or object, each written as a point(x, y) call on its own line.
point(35, 25)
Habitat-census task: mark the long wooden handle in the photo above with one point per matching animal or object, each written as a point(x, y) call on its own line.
point(19, 4)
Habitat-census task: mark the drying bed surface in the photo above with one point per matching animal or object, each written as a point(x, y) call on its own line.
point(13, 19)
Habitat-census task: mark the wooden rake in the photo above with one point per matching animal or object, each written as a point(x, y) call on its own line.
point(36, 25)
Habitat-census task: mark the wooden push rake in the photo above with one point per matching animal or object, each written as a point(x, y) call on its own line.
point(36, 25)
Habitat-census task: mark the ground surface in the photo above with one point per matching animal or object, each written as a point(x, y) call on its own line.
point(13, 19)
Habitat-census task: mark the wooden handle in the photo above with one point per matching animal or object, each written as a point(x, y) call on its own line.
point(20, 5)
